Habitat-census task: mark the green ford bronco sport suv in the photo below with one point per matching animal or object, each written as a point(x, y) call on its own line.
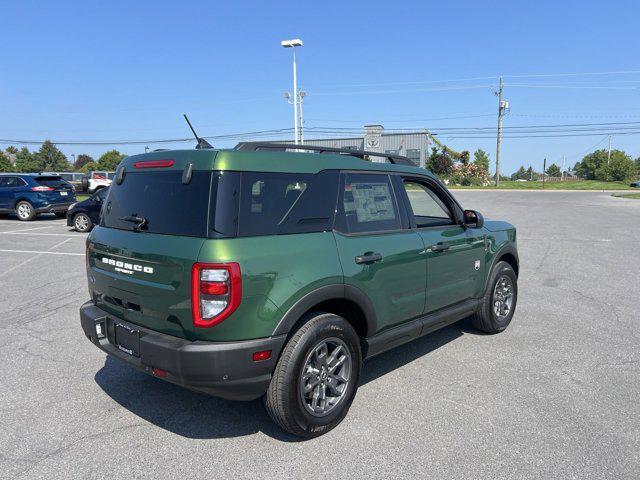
point(265, 271)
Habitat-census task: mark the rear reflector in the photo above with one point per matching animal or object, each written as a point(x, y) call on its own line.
point(153, 164)
point(158, 372)
point(263, 355)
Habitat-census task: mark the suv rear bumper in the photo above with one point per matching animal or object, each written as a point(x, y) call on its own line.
point(54, 207)
point(222, 369)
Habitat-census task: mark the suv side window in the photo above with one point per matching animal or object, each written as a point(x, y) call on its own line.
point(429, 209)
point(9, 182)
point(367, 204)
point(282, 203)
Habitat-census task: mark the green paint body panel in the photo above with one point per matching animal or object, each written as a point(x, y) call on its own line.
point(279, 270)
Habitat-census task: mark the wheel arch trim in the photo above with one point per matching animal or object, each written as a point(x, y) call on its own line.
point(325, 293)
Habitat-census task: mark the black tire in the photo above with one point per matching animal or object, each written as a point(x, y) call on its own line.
point(84, 184)
point(82, 222)
point(25, 211)
point(486, 319)
point(61, 214)
point(284, 400)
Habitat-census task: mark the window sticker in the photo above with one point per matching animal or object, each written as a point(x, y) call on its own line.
point(371, 201)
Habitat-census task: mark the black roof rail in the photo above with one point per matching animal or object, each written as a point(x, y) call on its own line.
point(255, 146)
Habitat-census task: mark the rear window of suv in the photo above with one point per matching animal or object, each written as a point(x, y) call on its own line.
point(53, 181)
point(166, 204)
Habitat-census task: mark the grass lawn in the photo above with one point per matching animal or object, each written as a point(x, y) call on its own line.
point(627, 195)
point(82, 196)
point(566, 185)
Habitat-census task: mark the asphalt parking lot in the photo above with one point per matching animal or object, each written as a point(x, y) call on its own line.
point(555, 396)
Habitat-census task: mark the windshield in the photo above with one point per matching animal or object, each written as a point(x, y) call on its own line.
point(53, 182)
point(158, 202)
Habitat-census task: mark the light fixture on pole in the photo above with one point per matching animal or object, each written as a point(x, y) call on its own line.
point(296, 42)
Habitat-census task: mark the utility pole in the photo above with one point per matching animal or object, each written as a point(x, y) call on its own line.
point(609, 154)
point(500, 113)
point(544, 171)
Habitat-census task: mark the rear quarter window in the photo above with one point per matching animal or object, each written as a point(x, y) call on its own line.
point(285, 203)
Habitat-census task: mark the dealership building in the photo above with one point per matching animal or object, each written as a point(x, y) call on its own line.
point(413, 145)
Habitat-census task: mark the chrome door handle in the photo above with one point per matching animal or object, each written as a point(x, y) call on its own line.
point(368, 258)
point(440, 247)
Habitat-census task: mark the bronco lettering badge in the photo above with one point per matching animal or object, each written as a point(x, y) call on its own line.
point(125, 267)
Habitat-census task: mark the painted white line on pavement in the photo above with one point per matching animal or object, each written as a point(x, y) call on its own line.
point(45, 252)
point(38, 254)
point(72, 235)
point(28, 229)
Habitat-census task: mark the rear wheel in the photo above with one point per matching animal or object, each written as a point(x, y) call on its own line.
point(316, 377)
point(25, 211)
point(499, 302)
point(82, 222)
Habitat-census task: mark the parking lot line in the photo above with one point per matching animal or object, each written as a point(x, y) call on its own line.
point(37, 254)
point(73, 235)
point(44, 252)
point(29, 229)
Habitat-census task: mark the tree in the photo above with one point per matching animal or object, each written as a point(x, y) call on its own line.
point(110, 160)
point(25, 161)
point(464, 157)
point(481, 158)
point(50, 159)
point(532, 174)
point(87, 167)
point(554, 170)
point(598, 166)
point(82, 160)
point(11, 149)
point(520, 174)
point(440, 163)
point(5, 163)
point(621, 168)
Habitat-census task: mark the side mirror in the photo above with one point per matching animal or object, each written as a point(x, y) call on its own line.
point(473, 219)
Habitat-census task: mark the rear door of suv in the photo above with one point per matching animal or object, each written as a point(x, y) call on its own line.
point(379, 254)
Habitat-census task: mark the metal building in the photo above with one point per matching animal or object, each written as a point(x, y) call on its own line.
point(414, 145)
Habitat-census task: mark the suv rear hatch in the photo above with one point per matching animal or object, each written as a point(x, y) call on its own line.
point(57, 189)
point(152, 228)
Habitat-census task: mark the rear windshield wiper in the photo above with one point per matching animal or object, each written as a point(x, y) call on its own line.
point(140, 222)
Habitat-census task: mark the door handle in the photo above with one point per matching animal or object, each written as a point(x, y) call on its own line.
point(440, 247)
point(369, 258)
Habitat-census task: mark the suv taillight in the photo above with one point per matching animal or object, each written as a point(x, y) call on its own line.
point(41, 188)
point(216, 290)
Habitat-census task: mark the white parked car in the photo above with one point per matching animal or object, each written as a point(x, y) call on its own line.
point(95, 180)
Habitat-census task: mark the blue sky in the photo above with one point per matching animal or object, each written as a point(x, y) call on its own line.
point(128, 70)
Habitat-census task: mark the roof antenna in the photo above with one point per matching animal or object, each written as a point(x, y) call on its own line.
point(202, 143)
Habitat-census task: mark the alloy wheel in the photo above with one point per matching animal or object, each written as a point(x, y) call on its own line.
point(325, 376)
point(24, 210)
point(81, 222)
point(503, 297)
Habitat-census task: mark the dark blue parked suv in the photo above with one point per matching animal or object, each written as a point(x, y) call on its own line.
point(28, 194)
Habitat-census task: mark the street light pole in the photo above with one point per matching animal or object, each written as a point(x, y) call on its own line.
point(293, 44)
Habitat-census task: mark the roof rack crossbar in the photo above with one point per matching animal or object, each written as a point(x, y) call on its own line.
point(255, 146)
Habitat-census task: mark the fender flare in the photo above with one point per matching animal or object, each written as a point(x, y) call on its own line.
point(506, 248)
point(322, 294)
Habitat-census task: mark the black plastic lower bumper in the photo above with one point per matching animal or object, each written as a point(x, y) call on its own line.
point(54, 208)
point(222, 369)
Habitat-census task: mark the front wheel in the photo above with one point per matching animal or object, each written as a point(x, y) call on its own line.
point(25, 211)
point(316, 377)
point(498, 304)
point(82, 222)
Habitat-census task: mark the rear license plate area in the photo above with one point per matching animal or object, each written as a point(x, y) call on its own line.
point(127, 339)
